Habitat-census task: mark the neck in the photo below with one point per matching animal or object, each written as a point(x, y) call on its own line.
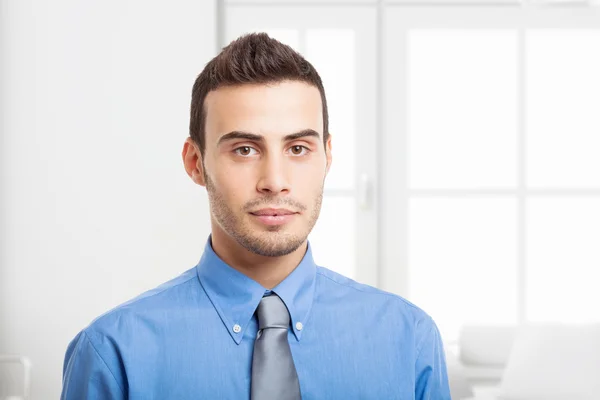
point(267, 271)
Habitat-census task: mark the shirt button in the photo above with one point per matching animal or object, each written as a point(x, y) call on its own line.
point(237, 328)
point(299, 326)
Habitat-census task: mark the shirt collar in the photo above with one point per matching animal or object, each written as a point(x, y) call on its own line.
point(236, 296)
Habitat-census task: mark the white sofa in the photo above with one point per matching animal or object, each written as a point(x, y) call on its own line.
point(484, 352)
point(551, 362)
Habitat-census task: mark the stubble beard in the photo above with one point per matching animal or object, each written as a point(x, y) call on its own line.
point(274, 241)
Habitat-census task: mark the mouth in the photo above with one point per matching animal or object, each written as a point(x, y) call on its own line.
point(274, 212)
point(274, 216)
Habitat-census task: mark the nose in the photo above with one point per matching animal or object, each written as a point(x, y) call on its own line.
point(273, 178)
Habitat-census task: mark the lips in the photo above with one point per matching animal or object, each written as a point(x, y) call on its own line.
point(273, 212)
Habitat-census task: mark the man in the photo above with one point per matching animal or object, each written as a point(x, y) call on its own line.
point(256, 318)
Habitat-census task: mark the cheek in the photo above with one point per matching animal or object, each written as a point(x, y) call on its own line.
point(233, 183)
point(307, 187)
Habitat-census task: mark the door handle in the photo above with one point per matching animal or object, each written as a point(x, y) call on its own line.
point(364, 191)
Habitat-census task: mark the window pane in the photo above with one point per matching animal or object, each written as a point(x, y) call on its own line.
point(337, 71)
point(333, 238)
point(563, 259)
point(462, 261)
point(563, 114)
point(462, 113)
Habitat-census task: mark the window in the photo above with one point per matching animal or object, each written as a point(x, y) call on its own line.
point(496, 108)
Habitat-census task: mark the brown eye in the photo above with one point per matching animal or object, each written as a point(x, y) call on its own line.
point(244, 151)
point(297, 150)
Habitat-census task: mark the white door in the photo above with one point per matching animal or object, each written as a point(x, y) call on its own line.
point(340, 41)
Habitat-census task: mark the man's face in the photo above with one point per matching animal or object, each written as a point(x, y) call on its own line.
point(265, 164)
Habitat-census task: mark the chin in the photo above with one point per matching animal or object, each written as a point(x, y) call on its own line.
point(273, 243)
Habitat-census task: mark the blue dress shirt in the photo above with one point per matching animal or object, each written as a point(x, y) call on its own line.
point(193, 338)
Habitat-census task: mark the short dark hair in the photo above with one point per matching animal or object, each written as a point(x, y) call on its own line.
point(251, 59)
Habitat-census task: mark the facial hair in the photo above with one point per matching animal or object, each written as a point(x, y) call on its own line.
point(274, 241)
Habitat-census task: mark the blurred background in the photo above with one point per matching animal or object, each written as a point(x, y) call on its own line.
point(466, 173)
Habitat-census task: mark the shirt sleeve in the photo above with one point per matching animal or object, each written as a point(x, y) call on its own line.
point(86, 376)
point(431, 374)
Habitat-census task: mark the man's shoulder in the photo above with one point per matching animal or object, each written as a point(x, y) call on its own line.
point(338, 284)
point(157, 300)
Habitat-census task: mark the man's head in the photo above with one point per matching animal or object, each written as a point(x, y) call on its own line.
point(259, 143)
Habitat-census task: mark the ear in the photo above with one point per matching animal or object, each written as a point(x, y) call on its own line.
point(192, 161)
point(328, 154)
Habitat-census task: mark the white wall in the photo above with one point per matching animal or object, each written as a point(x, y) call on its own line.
point(95, 205)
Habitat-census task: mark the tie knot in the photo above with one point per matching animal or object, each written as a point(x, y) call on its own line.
point(272, 313)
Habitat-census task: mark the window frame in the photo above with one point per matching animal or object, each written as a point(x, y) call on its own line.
point(363, 19)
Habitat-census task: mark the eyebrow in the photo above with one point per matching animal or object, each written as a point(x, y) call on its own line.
point(259, 138)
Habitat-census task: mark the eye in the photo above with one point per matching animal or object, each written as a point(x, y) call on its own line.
point(299, 150)
point(244, 151)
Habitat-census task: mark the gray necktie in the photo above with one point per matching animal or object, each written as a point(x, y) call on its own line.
point(273, 372)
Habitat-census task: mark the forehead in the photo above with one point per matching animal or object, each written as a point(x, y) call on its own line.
point(274, 109)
